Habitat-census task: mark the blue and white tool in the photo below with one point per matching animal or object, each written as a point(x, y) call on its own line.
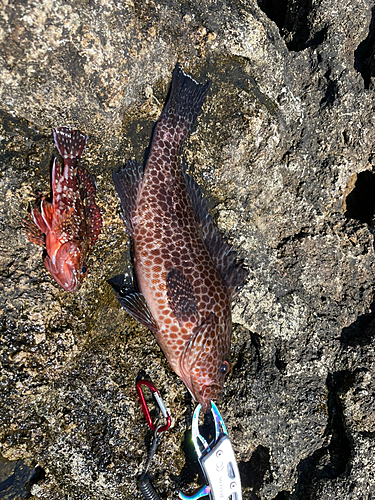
point(217, 460)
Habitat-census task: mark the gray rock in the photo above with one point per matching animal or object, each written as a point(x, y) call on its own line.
point(283, 150)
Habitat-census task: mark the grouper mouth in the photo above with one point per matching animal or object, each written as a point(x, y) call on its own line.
point(208, 393)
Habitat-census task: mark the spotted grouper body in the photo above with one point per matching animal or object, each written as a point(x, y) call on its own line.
point(186, 274)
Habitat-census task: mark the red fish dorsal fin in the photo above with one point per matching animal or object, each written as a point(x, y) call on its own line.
point(70, 143)
point(92, 211)
point(46, 215)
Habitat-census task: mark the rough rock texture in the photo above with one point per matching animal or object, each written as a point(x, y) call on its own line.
point(283, 150)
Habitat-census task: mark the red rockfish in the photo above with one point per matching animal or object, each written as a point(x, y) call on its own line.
point(71, 224)
point(186, 274)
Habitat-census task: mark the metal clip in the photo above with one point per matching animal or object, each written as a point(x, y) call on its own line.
point(144, 482)
point(217, 460)
point(160, 403)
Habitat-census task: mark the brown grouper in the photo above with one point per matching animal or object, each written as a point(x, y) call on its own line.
point(186, 274)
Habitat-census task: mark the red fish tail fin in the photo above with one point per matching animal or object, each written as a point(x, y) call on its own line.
point(70, 143)
point(184, 102)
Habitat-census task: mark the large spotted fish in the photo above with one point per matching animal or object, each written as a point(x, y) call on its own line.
point(71, 224)
point(186, 275)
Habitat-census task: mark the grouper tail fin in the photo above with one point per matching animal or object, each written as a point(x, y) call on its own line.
point(184, 102)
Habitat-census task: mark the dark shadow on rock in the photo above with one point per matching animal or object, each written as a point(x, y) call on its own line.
point(331, 91)
point(282, 495)
point(293, 20)
point(16, 479)
point(339, 447)
point(36, 474)
point(280, 363)
point(248, 358)
point(364, 55)
point(362, 331)
point(360, 203)
point(331, 461)
point(276, 10)
point(253, 471)
point(296, 27)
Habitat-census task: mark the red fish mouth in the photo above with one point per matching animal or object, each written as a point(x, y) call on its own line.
point(69, 287)
point(65, 276)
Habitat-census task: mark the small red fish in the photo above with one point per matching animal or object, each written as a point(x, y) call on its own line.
point(71, 224)
point(186, 273)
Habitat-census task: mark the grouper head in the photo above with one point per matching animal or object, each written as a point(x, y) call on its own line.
point(204, 362)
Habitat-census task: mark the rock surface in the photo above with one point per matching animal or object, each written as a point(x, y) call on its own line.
point(283, 150)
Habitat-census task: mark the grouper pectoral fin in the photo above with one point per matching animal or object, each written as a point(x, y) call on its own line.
point(127, 182)
point(181, 298)
point(224, 258)
point(133, 301)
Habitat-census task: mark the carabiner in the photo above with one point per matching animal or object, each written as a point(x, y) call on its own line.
point(196, 436)
point(217, 460)
point(160, 403)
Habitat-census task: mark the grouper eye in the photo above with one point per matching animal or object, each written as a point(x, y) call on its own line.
point(225, 367)
point(84, 269)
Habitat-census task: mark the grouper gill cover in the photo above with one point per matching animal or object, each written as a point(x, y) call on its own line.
point(186, 274)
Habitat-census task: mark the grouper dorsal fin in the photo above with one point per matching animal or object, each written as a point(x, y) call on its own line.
point(127, 182)
point(225, 259)
point(181, 297)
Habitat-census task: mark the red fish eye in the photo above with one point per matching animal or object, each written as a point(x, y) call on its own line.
point(84, 270)
point(225, 367)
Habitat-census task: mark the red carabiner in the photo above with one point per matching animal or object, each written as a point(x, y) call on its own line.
point(159, 401)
